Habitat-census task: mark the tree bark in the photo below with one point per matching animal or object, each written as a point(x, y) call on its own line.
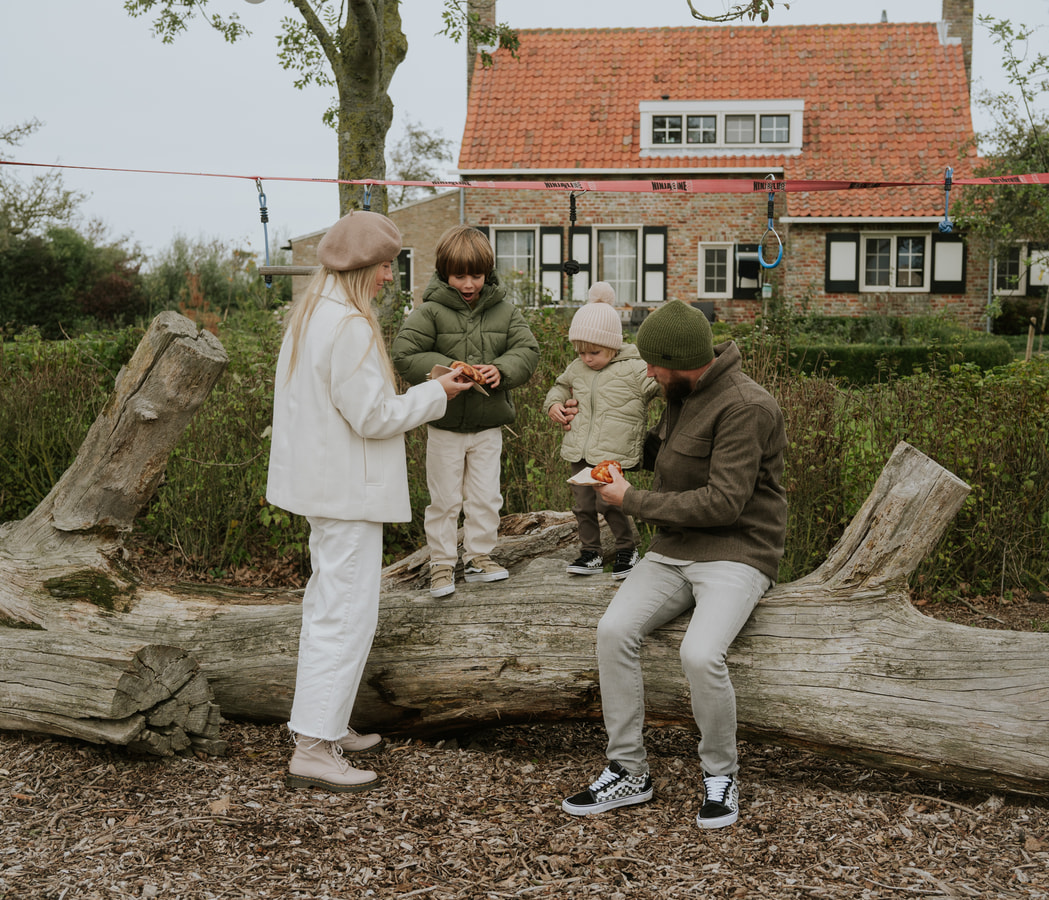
point(66, 667)
point(838, 660)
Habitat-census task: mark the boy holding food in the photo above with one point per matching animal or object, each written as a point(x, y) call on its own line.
point(466, 322)
point(601, 403)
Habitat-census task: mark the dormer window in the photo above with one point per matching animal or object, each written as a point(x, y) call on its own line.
point(721, 127)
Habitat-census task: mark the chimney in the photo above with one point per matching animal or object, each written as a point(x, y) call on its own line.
point(485, 12)
point(958, 14)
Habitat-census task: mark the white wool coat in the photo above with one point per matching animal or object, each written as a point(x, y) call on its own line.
point(338, 423)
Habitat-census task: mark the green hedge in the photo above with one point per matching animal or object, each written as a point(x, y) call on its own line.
point(861, 364)
point(210, 514)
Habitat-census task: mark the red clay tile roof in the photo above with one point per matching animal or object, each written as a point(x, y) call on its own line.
point(883, 102)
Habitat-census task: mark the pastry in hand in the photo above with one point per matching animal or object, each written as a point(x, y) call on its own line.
point(601, 472)
point(470, 372)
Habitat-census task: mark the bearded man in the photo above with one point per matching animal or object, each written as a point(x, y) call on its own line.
point(720, 514)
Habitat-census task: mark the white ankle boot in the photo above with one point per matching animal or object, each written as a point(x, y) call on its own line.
point(359, 743)
point(318, 763)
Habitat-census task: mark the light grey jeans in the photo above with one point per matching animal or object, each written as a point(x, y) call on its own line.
point(724, 595)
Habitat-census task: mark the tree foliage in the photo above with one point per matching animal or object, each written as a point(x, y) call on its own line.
point(750, 9)
point(998, 216)
point(28, 208)
point(354, 46)
point(62, 282)
point(1016, 143)
point(415, 157)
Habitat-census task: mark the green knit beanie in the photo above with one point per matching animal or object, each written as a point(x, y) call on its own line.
point(676, 336)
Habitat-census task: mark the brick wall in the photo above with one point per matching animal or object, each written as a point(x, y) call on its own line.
point(695, 218)
point(421, 224)
point(690, 219)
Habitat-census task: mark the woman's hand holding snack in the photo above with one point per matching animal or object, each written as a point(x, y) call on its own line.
point(453, 383)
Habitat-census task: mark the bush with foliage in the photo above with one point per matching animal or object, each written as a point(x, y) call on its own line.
point(65, 282)
point(210, 515)
point(192, 272)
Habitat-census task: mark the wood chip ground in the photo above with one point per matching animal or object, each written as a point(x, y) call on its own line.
point(479, 817)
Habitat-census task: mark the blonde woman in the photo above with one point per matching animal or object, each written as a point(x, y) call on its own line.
point(337, 458)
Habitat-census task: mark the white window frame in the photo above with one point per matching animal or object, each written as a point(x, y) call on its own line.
point(793, 109)
point(546, 247)
point(730, 255)
point(893, 237)
point(1033, 270)
point(600, 274)
point(774, 127)
point(533, 261)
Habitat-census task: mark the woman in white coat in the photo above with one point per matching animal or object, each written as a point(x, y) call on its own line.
point(337, 458)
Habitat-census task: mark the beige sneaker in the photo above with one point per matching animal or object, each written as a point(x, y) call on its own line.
point(359, 743)
point(442, 581)
point(319, 764)
point(484, 568)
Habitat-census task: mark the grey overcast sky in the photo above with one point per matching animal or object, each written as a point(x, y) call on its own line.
point(110, 95)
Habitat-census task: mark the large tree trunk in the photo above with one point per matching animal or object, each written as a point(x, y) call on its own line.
point(838, 660)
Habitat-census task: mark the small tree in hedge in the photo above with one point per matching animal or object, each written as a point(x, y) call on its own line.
point(1008, 214)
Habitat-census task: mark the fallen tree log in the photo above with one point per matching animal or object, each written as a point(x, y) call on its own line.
point(839, 660)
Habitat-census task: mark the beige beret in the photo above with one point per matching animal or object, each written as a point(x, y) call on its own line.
point(359, 239)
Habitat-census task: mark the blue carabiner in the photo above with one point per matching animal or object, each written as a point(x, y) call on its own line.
point(367, 196)
point(946, 226)
point(772, 230)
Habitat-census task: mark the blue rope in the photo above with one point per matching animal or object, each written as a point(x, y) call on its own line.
point(264, 215)
point(770, 230)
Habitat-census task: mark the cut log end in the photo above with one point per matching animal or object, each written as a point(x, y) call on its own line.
point(178, 708)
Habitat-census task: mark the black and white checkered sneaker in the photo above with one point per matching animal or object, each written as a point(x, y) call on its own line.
point(615, 787)
point(721, 803)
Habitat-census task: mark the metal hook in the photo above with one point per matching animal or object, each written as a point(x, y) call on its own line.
point(367, 196)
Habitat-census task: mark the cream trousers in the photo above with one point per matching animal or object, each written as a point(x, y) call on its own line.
point(340, 611)
point(462, 473)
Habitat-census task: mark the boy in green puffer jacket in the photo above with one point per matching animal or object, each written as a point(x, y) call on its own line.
point(601, 402)
point(465, 317)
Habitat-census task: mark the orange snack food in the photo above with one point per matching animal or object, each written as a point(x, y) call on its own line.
point(470, 372)
point(601, 472)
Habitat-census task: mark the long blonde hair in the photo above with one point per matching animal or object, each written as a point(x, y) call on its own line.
point(356, 287)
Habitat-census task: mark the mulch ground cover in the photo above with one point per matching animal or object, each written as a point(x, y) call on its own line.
point(479, 817)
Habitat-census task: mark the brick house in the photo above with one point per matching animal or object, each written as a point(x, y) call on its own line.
point(878, 102)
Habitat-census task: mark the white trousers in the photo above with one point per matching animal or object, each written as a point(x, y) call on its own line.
point(463, 473)
point(340, 612)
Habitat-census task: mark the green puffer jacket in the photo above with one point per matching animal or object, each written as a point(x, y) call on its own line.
point(445, 329)
point(613, 407)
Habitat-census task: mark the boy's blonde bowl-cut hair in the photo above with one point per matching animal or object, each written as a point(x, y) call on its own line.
point(463, 250)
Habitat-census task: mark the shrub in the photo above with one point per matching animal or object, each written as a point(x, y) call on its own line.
point(65, 282)
point(52, 391)
point(989, 428)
